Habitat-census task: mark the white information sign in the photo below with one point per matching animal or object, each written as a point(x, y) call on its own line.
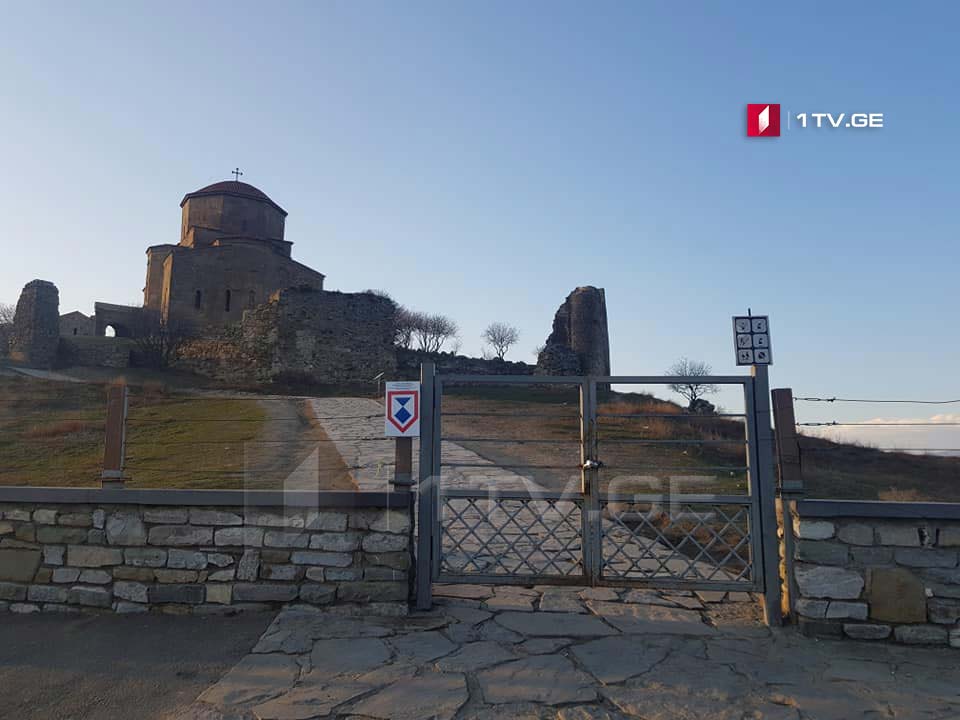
point(751, 340)
point(402, 409)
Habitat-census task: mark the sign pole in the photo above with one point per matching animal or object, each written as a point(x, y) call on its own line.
point(766, 490)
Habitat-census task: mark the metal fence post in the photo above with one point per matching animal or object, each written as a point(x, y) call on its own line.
point(425, 506)
point(114, 446)
point(766, 490)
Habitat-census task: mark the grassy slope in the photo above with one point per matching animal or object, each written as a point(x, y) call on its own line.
point(52, 434)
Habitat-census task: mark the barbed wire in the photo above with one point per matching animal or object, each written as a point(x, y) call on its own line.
point(861, 400)
point(834, 423)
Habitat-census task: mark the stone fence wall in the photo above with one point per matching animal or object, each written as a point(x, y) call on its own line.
point(202, 551)
point(878, 570)
point(111, 352)
point(408, 364)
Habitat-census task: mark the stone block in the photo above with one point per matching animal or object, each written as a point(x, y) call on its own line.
point(47, 594)
point(896, 595)
point(175, 576)
point(819, 628)
point(95, 577)
point(166, 516)
point(53, 554)
point(898, 534)
point(391, 521)
point(813, 609)
point(45, 517)
point(240, 537)
point(186, 560)
point(220, 594)
point(6, 528)
point(926, 557)
point(262, 592)
point(18, 565)
point(126, 528)
point(220, 560)
point(89, 597)
point(16, 515)
point(26, 533)
point(12, 591)
point(363, 591)
point(842, 610)
point(80, 520)
point(856, 534)
point(96, 537)
point(99, 519)
point(396, 560)
point(871, 556)
point(318, 594)
point(54, 535)
point(180, 535)
point(88, 556)
point(949, 536)
point(145, 557)
point(382, 573)
point(330, 559)
point(129, 608)
point(223, 575)
point(214, 517)
point(274, 538)
point(135, 574)
point(384, 542)
point(182, 594)
point(943, 611)
point(336, 542)
point(268, 519)
point(44, 576)
point(132, 591)
point(921, 635)
point(249, 565)
point(24, 608)
point(326, 521)
point(66, 575)
point(822, 552)
point(273, 555)
point(813, 529)
point(58, 608)
point(334, 574)
point(829, 582)
point(281, 572)
point(866, 631)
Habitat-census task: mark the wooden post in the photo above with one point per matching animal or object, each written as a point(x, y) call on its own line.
point(403, 465)
point(788, 448)
point(116, 436)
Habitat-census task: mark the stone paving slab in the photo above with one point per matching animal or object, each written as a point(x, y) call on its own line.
point(614, 660)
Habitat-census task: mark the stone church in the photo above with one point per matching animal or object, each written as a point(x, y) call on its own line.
point(232, 256)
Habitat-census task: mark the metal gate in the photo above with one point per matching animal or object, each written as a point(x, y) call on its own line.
point(595, 490)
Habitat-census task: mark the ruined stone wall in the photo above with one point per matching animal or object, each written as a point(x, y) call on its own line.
point(878, 571)
point(579, 343)
point(108, 352)
point(408, 365)
point(76, 324)
point(303, 335)
point(36, 326)
point(6, 329)
point(202, 559)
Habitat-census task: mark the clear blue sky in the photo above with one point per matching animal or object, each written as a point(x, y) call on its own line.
point(482, 159)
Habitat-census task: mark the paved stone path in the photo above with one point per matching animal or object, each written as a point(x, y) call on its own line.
point(573, 654)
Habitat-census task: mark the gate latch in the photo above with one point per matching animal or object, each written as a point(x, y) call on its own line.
point(592, 465)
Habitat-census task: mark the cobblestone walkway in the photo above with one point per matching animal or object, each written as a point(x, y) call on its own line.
point(574, 654)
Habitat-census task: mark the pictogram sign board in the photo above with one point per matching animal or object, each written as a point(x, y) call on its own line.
point(402, 409)
point(751, 340)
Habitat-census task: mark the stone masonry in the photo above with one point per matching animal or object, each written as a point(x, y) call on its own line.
point(878, 578)
point(36, 326)
point(200, 559)
point(579, 343)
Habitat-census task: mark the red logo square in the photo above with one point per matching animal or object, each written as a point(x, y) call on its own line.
point(763, 120)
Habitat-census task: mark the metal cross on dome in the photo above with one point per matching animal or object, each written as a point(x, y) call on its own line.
point(236, 174)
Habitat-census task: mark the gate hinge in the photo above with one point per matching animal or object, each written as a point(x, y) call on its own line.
point(592, 465)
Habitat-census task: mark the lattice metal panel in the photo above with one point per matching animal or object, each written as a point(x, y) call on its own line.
point(519, 537)
point(697, 543)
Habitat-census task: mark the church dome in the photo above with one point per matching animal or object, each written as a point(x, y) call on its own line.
point(235, 189)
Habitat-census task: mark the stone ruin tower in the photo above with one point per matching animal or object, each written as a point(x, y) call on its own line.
point(36, 326)
point(579, 343)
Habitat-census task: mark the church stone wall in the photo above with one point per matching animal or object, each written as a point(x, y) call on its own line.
point(36, 326)
point(230, 215)
point(302, 335)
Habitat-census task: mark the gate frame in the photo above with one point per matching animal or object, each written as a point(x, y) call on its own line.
point(760, 473)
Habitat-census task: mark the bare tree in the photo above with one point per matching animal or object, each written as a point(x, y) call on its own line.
point(432, 331)
point(158, 341)
point(404, 323)
point(501, 336)
point(7, 313)
point(690, 389)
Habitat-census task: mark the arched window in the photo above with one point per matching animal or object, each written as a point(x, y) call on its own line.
point(74, 331)
point(109, 331)
point(226, 304)
point(198, 299)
